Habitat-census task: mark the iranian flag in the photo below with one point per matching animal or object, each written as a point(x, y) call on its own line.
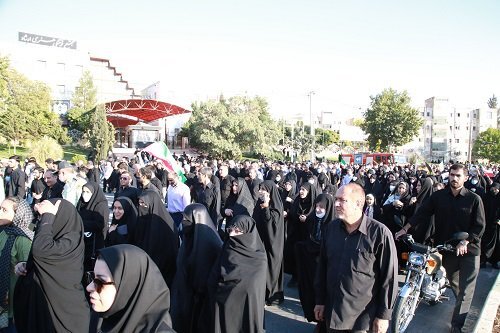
point(341, 160)
point(160, 151)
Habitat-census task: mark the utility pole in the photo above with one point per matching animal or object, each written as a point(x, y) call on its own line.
point(312, 124)
point(469, 147)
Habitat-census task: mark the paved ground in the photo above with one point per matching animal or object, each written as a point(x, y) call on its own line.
point(429, 319)
point(288, 317)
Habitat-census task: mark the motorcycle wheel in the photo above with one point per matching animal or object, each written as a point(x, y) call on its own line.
point(402, 313)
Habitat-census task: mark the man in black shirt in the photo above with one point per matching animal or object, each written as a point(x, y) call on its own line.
point(226, 183)
point(126, 190)
point(17, 185)
point(456, 209)
point(356, 279)
point(209, 195)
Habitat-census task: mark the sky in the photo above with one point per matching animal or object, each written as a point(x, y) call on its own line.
point(344, 51)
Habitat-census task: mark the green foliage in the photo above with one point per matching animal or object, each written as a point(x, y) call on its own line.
point(358, 122)
point(487, 145)
point(390, 120)
point(25, 113)
point(4, 93)
point(227, 127)
point(492, 102)
point(78, 157)
point(325, 137)
point(71, 151)
point(101, 134)
point(84, 99)
point(85, 94)
point(45, 148)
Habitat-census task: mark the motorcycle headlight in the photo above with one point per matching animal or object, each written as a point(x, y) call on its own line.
point(416, 259)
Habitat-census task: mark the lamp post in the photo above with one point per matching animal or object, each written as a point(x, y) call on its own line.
point(312, 124)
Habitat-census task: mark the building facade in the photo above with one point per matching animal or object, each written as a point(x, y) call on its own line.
point(60, 64)
point(449, 132)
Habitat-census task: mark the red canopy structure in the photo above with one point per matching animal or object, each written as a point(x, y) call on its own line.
point(130, 111)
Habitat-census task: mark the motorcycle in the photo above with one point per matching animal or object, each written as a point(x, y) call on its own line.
point(425, 279)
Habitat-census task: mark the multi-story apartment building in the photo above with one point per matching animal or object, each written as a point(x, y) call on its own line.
point(449, 132)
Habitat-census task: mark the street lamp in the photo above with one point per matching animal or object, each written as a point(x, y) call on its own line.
point(312, 124)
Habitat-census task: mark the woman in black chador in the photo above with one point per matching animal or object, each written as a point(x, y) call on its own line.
point(49, 295)
point(128, 291)
point(156, 234)
point(124, 222)
point(197, 256)
point(94, 211)
point(239, 202)
point(268, 215)
point(241, 279)
point(307, 252)
point(302, 207)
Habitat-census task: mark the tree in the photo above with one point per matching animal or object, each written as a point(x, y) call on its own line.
point(487, 145)
point(101, 133)
point(84, 100)
point(325, 137)
point(492, 102)
point(390, 120)
point(228, 127)
point(25, 113)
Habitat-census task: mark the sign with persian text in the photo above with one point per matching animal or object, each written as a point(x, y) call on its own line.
point(47, 41)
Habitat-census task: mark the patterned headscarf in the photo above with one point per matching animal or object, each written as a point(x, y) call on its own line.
point(23, 218)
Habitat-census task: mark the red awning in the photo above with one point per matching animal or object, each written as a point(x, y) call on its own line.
point(145, 110)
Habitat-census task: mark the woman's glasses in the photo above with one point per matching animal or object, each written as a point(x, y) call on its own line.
point(98, 283)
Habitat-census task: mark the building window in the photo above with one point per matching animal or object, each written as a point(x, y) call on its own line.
point(451, 127)
point(428, 114)
point(473, 128)
point(457, 140)
point(490, 115)
point(474, 115)
point(458, 114)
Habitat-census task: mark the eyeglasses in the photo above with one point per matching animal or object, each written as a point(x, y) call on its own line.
point(98, 283)
point(123, 178)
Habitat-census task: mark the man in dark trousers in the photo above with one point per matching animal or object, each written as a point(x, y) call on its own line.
point(356, 279)
point(456, 209)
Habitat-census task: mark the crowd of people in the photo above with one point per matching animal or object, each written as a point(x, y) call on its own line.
point(206, 250)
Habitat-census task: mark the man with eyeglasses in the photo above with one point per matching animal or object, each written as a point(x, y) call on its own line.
point(356, 280)
point(126, 190)
point(178, 197)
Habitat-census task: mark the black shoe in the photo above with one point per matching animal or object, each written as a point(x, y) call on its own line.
point(455, 329)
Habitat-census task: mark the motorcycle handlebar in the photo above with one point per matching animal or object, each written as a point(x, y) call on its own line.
point(425, 248)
